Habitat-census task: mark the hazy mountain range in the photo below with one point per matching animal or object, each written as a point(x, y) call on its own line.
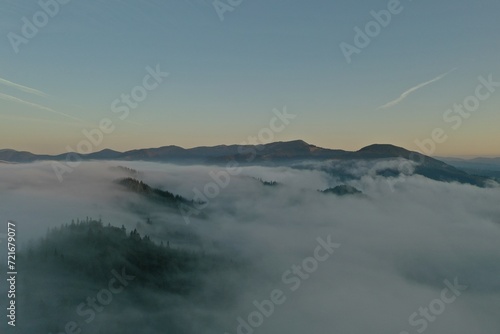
point(487, 167)
point(195, 260)
point(292, 150)
point(278, 153)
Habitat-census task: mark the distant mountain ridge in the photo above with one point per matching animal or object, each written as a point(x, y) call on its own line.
point(275, 153)
point(291, 150)
point(487, 167)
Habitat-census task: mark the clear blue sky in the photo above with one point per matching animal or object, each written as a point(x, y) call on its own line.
point(227, 76)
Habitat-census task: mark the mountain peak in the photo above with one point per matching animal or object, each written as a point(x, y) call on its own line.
point(291, 144)
point(384, 150)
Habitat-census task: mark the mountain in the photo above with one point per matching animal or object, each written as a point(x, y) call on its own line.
point(476, 163)
point(278, 153)
point(486, 167)
point(105, 154)
point(342, 190)
point(89, 263)
point(8, 155)
point(429, 167)
point(280, 150)
point(154, 194)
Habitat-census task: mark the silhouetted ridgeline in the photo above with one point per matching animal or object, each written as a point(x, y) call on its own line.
point(161, 196)
point(129, 171)
point(278, 153)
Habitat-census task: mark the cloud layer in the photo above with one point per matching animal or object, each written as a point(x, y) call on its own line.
point(399, 244)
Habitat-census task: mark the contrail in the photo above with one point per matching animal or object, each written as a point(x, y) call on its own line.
point(22, 88)
point(18, 100)
point(412, 90)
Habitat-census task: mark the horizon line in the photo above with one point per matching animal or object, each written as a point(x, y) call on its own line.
point(456, 156)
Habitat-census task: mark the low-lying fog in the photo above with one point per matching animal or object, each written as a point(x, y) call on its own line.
point(394, 247)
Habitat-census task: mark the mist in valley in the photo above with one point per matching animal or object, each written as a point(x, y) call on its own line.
point(262, 251)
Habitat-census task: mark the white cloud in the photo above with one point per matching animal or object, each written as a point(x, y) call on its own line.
point(397, 247)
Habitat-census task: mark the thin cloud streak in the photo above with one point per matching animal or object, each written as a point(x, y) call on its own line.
point(37, 120)
point(412, 90)
point(34, 105)
point(41, 94)
point(23, 88)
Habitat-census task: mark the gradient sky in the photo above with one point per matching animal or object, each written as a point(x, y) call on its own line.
point(227, 76)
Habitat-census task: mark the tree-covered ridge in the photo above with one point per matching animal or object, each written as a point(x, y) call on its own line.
point(154, 194)
point(126, 170)
point(90, 249)
point(342, 190)
point(268, 183)
point(93, 274)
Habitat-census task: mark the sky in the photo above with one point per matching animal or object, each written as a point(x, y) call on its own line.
point(230, 67)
